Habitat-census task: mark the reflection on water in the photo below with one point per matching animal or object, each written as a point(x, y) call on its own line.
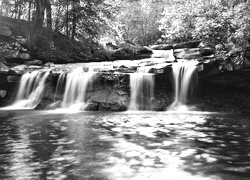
point(131, 145)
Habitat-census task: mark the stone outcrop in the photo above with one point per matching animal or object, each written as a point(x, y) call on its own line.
point(4, 31)
point(162, 47)
point(111, 89)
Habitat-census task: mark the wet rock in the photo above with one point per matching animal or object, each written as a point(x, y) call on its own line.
point(108, 100)
point(24, 56)
point(49, 65)
point(13, 78)
point(3, 93)
point(166, 54)
point(20, 69)
point(207, 51)
point(162, 47)
point(191, 44)
point(112, 46)
point(4, 31)
point(3, 68)
point(145, 50)
point(35, 62)
point(193, 53)
point(123, 53)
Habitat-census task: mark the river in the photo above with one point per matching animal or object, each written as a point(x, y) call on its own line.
point(125, 145)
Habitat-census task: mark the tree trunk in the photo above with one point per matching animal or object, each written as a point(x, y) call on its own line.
point(57, 21)
point(67, 18)
point(29, 13)
point(49, 19)
point(73, 21)
point(16, 9)
point(37, 25)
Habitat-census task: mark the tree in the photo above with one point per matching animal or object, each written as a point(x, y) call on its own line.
point(215, 21)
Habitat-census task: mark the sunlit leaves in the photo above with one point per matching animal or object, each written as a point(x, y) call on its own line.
point(215, 21)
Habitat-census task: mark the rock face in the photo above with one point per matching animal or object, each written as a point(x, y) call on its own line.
point(162, 47)
point(187, 53)
point(111, 90)
point(4, 31)
point(191, 44)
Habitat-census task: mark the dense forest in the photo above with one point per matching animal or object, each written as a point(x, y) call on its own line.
point(91, 24)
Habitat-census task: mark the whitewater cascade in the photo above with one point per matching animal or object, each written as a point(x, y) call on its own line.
point(185, 82)
point(30, 90)
point(77, 83)
point(141, 90)
point(60, 85)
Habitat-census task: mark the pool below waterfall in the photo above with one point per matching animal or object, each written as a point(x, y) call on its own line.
point(125, 145)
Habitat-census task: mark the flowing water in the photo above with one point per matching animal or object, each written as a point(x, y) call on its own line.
point(185, 83)
point(128, 146)
point(30, 91)
point(142, 91)
point(77, 83)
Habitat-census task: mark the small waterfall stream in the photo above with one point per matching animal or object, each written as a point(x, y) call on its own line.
point(141, 90)
point(185, 82)
point(30, 91)
point(60, 85)
point(77, 83)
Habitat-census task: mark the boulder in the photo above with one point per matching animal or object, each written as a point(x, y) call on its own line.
point(33, 63)
point(3, 68)
point(4, 31)
point(166, 54)
point(186, 53)
point(112, 46)
point(13, 78)
point(191, 44)
point(24, 56)
point(162, 47)
point(207, 51)
point(49, 64)
point(123, 53)
point(3, 93)
point(109, 99)
point(144, 50)
point(20, 69)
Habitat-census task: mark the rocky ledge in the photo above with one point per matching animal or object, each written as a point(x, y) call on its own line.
point(111, 90)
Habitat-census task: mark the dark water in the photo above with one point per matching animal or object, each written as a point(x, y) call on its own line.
point(113, 146)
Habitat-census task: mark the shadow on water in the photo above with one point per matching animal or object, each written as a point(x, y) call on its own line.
point(131, 145)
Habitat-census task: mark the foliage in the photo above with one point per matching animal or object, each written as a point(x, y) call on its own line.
point(215, 21)
point(139, 21)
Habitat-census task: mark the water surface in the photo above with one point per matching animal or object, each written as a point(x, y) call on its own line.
point(131, 145)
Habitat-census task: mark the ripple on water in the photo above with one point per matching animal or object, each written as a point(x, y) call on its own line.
point(43, 145)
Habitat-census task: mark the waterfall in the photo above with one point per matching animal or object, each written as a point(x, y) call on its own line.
point(30, 90)
point(60, 86)
point(141, 90)
point(185, 82)
point(77, 83)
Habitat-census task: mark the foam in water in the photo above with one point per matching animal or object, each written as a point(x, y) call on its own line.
point(77, 83)
point(30, 91)
point(184, 85)
point(141, 90)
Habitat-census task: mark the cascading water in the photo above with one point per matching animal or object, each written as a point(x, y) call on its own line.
point(142, 90)
point(185, 81)
point(77, 83)
point(60, 85)
point(30, 91)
